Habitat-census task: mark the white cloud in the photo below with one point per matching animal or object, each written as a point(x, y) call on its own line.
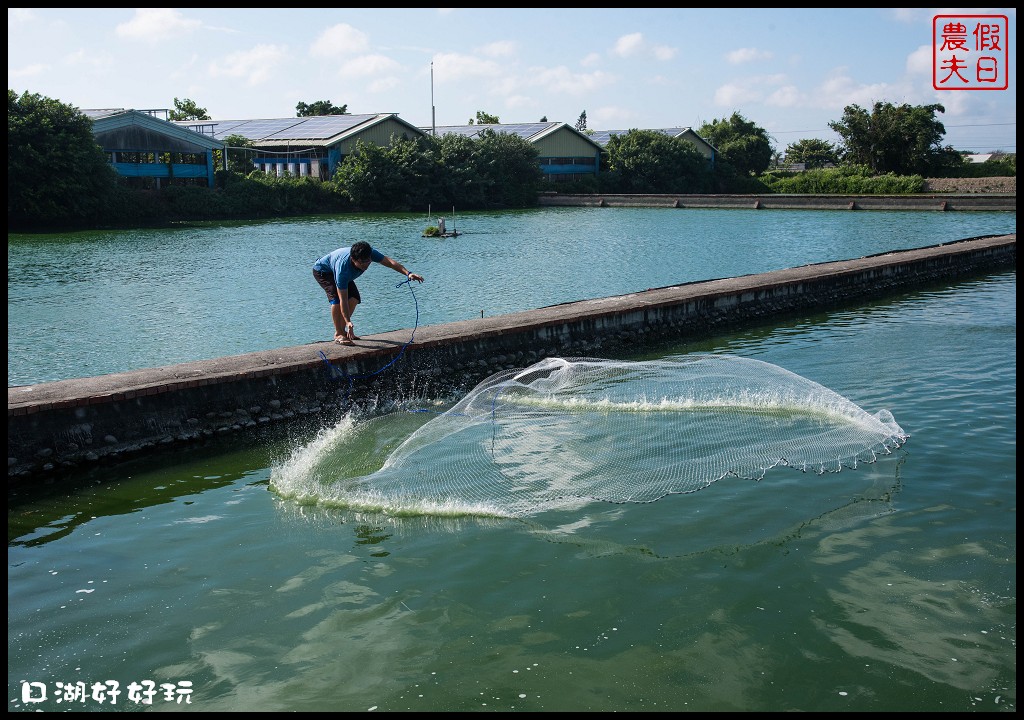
point(745, 55)
point(156, 24)
point(27, 71)
point(383, 85)
point(956, 104)
point(562, 81)
point(834, 94)
point(451, 67)
point(733, 95)
point(749, 90)
point(520, 102)
point(505, 86)
point(254, 66)
point(591, 59)
point(664, 52)
point(840, 90)
point(340, 39)
point(906, 15)
point(629, 44)
point(634, 44)
point(786, 96)
point(919, 62)
point(501, 49)
point(369, 65)
point(613, 117)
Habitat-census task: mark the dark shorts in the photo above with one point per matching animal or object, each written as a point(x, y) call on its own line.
point(326, 281)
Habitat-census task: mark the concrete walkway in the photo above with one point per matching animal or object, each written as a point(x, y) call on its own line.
point(58, 426)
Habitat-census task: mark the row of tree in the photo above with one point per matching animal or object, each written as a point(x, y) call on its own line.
point(59, 178)
point(900, 139)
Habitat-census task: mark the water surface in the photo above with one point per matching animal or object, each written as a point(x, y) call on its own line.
point(889, 587)
point(89, 304)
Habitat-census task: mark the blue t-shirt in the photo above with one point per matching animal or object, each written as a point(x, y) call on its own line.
point(339, 263)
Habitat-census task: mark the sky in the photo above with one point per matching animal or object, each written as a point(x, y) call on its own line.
point(789, 71)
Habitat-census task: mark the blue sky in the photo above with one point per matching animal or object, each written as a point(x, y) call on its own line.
point(790, 71)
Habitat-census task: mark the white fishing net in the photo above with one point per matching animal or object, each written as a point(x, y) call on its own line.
point(564, 432)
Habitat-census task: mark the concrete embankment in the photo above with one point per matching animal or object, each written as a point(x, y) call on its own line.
point(56, 428)
point(940, 202)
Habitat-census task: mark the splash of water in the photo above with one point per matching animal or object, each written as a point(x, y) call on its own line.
point(566, 432)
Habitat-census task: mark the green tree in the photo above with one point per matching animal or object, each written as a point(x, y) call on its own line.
point(483, 118)
point(187, 110)
point(543, 119)
point(240, 156)
point(741, 143)
point(508, 170)
point(813, 153)
point(57, 175)
point(387, 178)
point(581, 122)
point(457, 182)
point(649, 161)
point(901, 139)
point(320, 107)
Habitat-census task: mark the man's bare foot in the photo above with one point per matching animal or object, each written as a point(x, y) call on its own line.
point(342, 340)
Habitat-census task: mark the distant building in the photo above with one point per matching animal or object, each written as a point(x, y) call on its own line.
point(976, 158)
point(150, 150)
point(601, 137)
point(563, 152)
point(311, 146)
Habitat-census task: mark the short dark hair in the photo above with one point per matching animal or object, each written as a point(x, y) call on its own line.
point(361, 251)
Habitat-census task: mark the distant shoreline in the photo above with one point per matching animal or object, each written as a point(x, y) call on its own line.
point(937, 201)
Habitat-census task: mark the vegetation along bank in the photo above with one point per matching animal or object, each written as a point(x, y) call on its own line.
point(60, 179)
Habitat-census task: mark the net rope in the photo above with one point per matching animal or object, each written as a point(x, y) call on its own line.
point(565, 432)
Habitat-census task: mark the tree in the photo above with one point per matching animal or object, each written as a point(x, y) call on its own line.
point(483, 118)
point(813, 153)
point(581, 122)
point(901, 139)
point(543, 119)
point(508, 168)
point(740, 142)
point(393, 177)
point(320, 107)
point(457, 182)
point(187, 110)
point(240, 160)
point(57, 175)
point(649, 161)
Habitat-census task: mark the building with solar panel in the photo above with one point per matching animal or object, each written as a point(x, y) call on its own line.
point(315, 146)
point(312, 146)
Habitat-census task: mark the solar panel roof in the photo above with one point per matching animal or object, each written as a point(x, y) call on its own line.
point(601, 137)
point(316, 127)
point(523, 130)
point(100, 113)
point(319, 127)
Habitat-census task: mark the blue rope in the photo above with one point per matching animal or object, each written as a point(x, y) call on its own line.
point(336, 373)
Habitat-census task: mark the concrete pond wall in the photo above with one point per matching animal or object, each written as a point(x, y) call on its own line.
point(59, 428)
point(940, 201)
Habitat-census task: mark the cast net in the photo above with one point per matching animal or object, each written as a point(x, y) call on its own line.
point(565, 432)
